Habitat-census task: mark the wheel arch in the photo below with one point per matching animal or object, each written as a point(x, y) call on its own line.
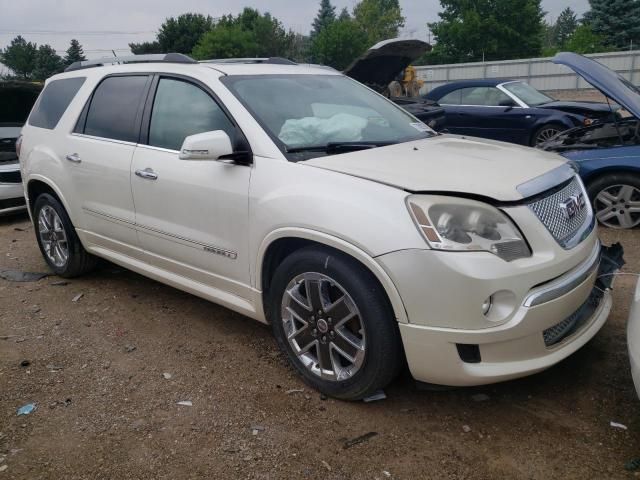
point(281, 243)
point(36, 185)
point(597, 174)
point(562, 122)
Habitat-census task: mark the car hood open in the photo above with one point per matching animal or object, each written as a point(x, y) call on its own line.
point(604, 79)
point(447, 164)
point(382, 63)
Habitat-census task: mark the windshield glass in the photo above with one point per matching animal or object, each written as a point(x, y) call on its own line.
point(527, 93)
point(308, 114)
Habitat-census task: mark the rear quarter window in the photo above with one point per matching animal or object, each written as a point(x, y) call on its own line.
point(53, 102)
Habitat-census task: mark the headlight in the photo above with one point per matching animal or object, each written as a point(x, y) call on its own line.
point(449, 223)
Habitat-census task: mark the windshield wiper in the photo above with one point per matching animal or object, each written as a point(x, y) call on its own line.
point(339, 147)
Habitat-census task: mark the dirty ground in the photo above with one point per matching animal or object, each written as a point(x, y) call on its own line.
point(134, 379)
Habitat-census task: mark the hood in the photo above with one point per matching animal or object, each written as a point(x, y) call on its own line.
point(383, 62)
point(597, 108)
point(607, 81)
point(447, 164)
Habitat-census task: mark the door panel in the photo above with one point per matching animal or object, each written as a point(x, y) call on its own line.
point(194, 216)
point(101, 181)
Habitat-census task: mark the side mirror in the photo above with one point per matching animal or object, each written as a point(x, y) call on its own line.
point(215, 145)
point(508, 104)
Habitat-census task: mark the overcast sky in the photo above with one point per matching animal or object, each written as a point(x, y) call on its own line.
point(102, 25)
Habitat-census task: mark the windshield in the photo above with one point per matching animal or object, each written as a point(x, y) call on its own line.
point(527, 93)
point(309, 115)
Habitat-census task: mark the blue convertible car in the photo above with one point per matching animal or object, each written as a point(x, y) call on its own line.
point(607, 155)
point(511, 111)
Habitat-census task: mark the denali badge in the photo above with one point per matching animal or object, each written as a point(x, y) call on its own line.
point(573, 205)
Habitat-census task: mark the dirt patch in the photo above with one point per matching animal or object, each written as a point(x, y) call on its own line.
point(106, 411)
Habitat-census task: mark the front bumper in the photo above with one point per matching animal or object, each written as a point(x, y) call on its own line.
point(11, 198)
point(546, 324)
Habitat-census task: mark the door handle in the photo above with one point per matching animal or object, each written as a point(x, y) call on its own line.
point(147, 173)
point(73, 157)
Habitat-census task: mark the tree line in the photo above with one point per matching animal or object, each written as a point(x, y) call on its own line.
point(467, 31)
point(335, 39)
point(477, 30)
point(28, 61)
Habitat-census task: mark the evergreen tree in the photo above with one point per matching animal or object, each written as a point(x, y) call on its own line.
point(20, 57)
point(344, 14)
point(48, 63)
point(617, 21)
point(325, 17)
point(145, 47)
point(74, 53)
point(565, 26)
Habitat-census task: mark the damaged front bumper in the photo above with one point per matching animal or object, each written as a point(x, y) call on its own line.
point(554, 320)
point(633, 338)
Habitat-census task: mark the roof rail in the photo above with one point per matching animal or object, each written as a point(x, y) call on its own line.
point(271, 60)
point(152, 58)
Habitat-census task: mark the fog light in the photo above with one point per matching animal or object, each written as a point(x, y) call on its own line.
point(486, 305)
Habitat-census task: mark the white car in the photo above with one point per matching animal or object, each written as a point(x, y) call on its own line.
point(11, 191)
point(297, 196)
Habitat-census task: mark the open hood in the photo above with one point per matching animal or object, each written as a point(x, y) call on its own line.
point(447, 164)
point(607, 81)
point(382, 63)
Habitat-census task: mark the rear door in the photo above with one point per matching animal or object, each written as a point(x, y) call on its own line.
point(191, 215)
point(99, 154)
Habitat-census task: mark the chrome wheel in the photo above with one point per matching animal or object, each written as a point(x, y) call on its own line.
point(546, 134)
point(323, 326)
point(52, 236)
point(618, 206)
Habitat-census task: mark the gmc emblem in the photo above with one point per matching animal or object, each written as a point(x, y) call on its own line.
point(573, 205)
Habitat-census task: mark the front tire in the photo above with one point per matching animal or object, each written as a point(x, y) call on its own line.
point(334, 322)
point(545, 133)
point(58, 240)
point(616, 200)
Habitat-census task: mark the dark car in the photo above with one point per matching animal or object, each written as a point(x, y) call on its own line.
point(383, 63)
point(16, 100)
point(607, 155)
point(511, 111)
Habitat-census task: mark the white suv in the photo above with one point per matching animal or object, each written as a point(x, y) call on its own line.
point(297, 196)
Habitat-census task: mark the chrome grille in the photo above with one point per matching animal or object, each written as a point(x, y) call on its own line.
point(554, 218)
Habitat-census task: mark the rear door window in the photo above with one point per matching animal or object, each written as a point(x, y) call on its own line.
point(53, 102)
point(114, 111)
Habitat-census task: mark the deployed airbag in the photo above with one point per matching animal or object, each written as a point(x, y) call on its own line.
point(319, 131)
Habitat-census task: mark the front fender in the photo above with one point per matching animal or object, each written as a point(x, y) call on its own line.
point(341, 245)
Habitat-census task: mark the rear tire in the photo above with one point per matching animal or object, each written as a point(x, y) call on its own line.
point(58, 240)
point(616, 200)
point(333, 320)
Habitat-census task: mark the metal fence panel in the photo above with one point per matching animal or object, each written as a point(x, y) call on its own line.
point(541, 73)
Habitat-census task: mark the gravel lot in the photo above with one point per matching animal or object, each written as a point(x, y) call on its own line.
point(105, 410)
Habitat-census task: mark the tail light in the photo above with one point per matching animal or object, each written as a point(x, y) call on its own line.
point(18, 145)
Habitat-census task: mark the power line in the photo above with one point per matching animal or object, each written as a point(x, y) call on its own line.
point(73, 32)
